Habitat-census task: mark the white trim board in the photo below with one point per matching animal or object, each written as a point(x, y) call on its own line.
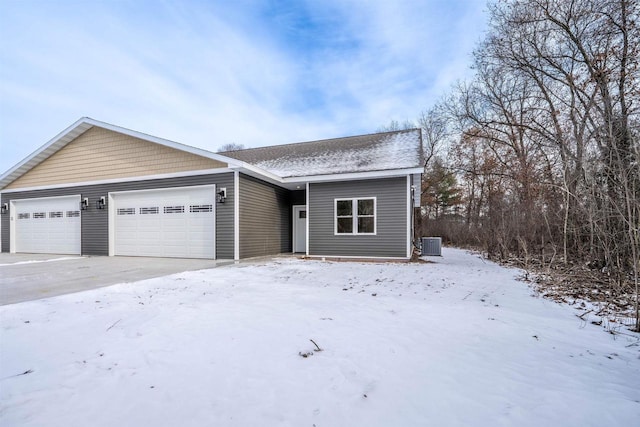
point(390, 173)
point(256, 174)
point(308, 186)
point(120, 180)
point(236, 216)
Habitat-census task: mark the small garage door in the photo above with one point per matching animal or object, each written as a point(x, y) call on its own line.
point(48, 226)
point(177, 223)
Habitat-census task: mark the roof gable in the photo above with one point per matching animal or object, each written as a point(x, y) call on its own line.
point(363, 153)
point(102, 154)
point(98, 150)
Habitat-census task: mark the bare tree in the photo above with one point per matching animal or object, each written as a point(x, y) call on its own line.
point(232, 146)
point(547, 146)
point(395, 125)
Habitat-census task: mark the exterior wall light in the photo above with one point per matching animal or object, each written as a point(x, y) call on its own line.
point(84, 204)
point(4, 208)
point(101, 202)
point(222, 195)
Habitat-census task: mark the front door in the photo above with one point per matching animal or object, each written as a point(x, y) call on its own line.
point(300, 228)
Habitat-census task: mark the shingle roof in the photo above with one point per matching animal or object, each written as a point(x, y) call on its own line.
point(363, 153)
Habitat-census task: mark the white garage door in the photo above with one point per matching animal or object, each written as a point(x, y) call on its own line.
point(48, 226)
point(177, 223)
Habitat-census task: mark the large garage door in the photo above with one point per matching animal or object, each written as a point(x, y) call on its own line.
point(176, 223)
point(49, 225)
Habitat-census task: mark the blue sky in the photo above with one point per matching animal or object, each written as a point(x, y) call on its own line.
point(207, 73)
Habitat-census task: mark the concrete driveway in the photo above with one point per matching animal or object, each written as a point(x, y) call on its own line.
point(25, 277)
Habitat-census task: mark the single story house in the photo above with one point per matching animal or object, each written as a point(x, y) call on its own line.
point(100, 189)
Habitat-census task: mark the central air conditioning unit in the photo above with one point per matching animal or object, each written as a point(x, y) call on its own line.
point(432, 246)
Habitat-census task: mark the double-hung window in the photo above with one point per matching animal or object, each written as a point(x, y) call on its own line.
point(355, 216)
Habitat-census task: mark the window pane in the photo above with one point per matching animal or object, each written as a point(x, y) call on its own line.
point(365, 225)
point(345, 225)
point(343, 208)
point(365, 207)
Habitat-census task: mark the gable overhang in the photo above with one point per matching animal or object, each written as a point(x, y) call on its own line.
point(298, 182)
point(256, 172)
point(81, 126)
point(352, 176)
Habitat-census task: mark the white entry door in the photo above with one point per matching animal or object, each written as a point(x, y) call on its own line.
point(176, 223)
point(300, 229)
point(48, 225)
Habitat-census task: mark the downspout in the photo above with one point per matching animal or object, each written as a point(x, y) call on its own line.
point(413, 215)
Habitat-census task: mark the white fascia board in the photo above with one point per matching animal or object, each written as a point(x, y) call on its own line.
point(50, 147)
point(352, 176)
point(161, 141)
point(128, 179)
point(257, 172)
point(81, 126)
point(290, 182)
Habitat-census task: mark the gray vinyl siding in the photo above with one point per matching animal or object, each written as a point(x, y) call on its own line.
point(95, 223)
point(391, 218)
point(265, 218)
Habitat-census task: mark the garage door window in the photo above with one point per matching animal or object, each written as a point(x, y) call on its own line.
point(173, 209)
point(201, 208)
point(149, 211)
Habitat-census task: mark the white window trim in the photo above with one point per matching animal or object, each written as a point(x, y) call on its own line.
point(354, 211)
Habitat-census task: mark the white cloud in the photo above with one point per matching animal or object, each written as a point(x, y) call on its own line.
point(207, 75)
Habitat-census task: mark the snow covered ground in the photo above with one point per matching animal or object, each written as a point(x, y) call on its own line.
point(458, 342)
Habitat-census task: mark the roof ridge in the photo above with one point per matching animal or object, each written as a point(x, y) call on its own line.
point(321, 140)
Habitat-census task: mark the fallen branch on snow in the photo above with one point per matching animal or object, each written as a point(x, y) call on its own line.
point(314, 343)
point(117, 321)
